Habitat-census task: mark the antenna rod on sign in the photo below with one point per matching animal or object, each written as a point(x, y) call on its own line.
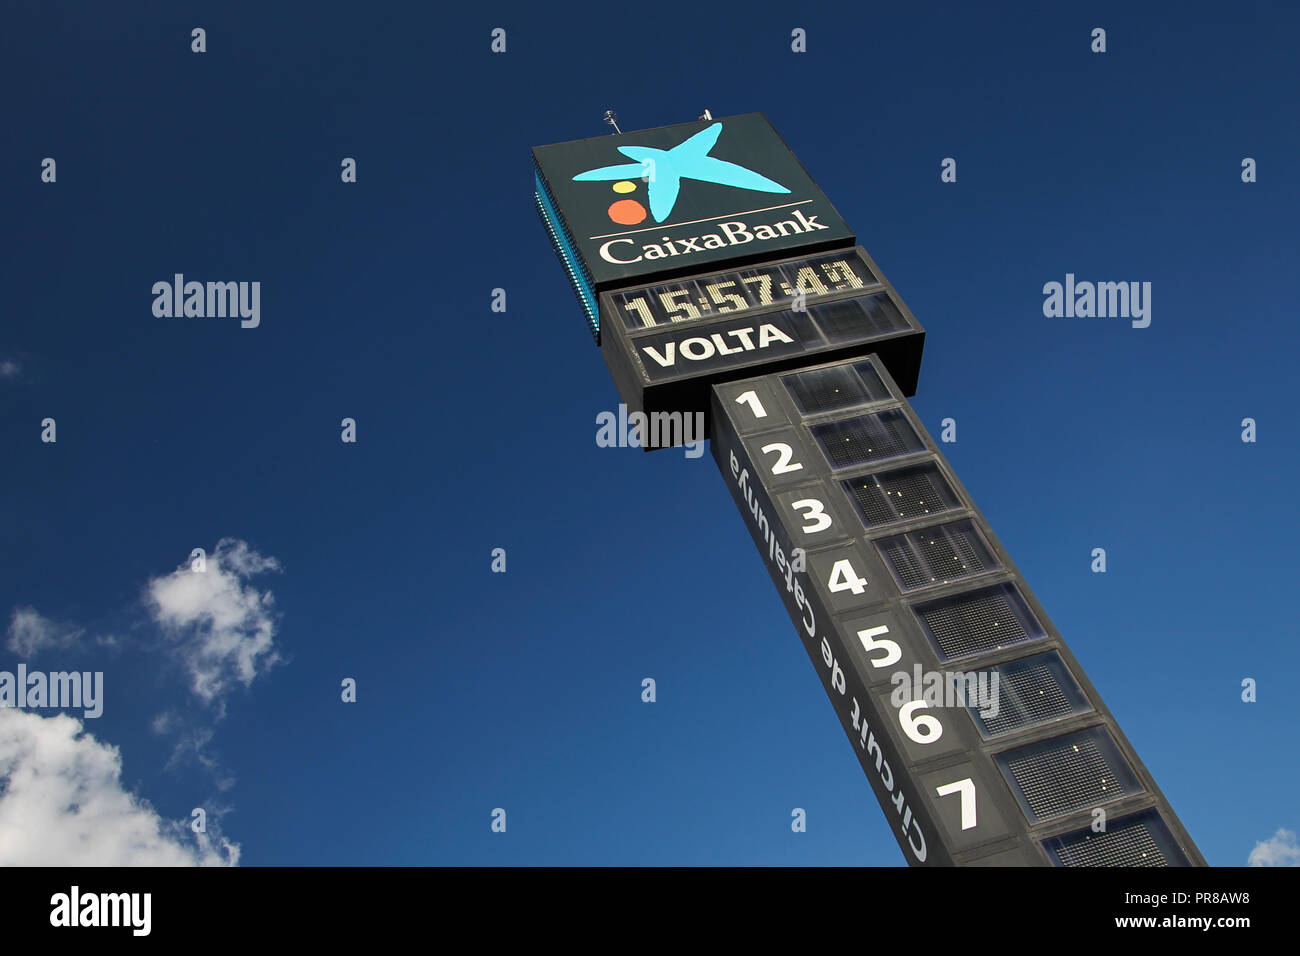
point(612, 120)
point(707, 115)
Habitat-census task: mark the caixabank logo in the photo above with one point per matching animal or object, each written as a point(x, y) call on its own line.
point(683, 198)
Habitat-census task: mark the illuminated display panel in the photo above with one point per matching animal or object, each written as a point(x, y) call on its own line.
point(744, 290)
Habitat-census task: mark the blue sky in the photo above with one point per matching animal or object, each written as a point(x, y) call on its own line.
point(476, 430)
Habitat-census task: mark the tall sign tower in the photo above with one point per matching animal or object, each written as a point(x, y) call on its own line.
point(718, 279)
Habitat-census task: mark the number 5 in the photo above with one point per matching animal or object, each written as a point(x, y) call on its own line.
point(893, 653)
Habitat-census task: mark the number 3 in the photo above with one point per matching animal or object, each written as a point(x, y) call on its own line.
point(821, 520)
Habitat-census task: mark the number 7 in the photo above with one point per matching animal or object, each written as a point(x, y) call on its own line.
point(966, 788)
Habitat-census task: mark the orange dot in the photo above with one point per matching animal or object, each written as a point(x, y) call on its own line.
point(627, 212)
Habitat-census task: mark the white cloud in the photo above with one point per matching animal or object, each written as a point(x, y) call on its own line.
point(190, 745)
point(223, 629)
point(62, 804)
point(163, 723)
point(9, 368)
point(1279, 850)
point(31, 632)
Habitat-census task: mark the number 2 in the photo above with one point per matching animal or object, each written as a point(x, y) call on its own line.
point(783, 455)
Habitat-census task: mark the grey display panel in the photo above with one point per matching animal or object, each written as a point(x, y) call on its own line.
point(980, 735)
point(1143, 839)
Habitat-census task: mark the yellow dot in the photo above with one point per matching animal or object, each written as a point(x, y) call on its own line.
point(624, 187)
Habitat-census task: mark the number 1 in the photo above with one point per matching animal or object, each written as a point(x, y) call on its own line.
point(754, 404)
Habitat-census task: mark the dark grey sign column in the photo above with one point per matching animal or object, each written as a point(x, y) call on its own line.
point(981, 736)
point(703, 255)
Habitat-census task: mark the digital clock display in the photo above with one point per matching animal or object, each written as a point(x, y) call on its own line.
point(743, 290)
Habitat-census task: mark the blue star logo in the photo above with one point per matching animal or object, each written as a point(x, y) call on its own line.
point(667, 168)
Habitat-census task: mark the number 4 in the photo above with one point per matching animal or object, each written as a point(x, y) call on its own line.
point(844, 578)
point(967, 790)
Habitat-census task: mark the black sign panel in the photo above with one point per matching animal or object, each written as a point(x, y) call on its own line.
point(669, 355)
point(667, 342)
point(976, 727)
point(679, 198)
point(875, 741)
